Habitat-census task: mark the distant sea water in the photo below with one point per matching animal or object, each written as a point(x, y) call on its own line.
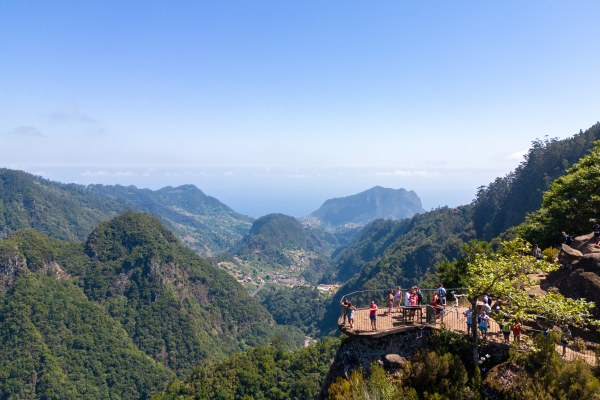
point(293, 191)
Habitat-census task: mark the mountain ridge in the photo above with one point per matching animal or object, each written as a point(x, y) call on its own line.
point(364, 207)
point(71, 211)
point(167, 307)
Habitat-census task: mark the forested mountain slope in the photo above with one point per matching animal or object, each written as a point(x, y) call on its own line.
point(373, 240)
point(55, 342)
point(280, 243)
point(505, 202)
point(266, 372)
point(67, 212)
point(202, 222)
point(571, 204)
point(70, 211)
point(406, 252)
point(114, 316)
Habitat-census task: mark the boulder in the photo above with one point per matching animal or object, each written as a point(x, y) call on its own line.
point(568, 255)
point(393, 361)
point(585, 243)
point(582, 240)
point(589, 262)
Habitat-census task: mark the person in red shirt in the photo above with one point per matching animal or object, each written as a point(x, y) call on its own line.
point(413, 301)
point(517, 329)
point(373, 315)
point(434, 303)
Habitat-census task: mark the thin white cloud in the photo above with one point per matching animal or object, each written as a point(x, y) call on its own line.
point(299, 176)
point(517, 155)
point(405, 173)
point(128, 173)
point(29, 131)
point(72, 116)
point(96, 173)
point(120, 174)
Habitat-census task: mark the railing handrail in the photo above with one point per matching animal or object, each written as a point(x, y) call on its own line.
point(448, 290)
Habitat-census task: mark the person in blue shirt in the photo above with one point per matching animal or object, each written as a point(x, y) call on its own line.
point(469, 315)
point(442, 294)
point(484, 320)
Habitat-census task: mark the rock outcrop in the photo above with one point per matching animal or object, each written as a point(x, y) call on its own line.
point(579, 275)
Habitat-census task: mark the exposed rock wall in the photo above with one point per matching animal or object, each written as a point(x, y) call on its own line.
point(360, 351)
point(579, 276)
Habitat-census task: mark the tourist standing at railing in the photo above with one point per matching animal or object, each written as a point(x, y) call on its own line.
point(442, 294)
point(435, 303)
point(350, 309)
point(413, 301)
point(390, 302)
point(398, 298)
point(469, 316)
point(484, 321)
point(487, 308)
point(419, 296)
point(373, 315)
point(344, 305)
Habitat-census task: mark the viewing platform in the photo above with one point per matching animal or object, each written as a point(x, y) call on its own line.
point(411, 317)
point(452, 318)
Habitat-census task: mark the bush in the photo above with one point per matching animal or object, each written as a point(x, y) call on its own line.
point(550, 254)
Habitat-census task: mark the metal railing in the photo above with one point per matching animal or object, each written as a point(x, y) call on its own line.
point(451, 317)
point(363, 298)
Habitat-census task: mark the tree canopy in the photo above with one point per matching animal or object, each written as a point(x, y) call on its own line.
point(507, 275)
point(571, 204)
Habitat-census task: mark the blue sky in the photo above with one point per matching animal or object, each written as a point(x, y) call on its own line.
point(276, 106)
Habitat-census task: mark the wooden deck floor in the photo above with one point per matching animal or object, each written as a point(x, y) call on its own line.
point(452, 319)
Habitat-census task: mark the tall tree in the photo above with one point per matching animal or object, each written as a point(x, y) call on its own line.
point(571, 204)
point(507, 275)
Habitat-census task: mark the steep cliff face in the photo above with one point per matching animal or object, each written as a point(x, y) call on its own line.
point(394, 350)
point(579, 275)
point(359, 352)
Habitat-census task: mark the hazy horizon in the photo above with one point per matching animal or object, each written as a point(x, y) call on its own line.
point(296, 192)
point(277, 106)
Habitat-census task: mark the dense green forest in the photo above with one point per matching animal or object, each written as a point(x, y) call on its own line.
point(505, 202)
point(71, 212)
point(442, 372)
point(266, 372)
point(202, 222)
point(118, 315)
point(280, 243)
point(406, 252)
point(301, 306)
point(131, 311)
point(68, 212)
point(571, 204)
point(57, 344)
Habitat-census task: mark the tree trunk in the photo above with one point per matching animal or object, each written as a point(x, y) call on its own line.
point(474, 330)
